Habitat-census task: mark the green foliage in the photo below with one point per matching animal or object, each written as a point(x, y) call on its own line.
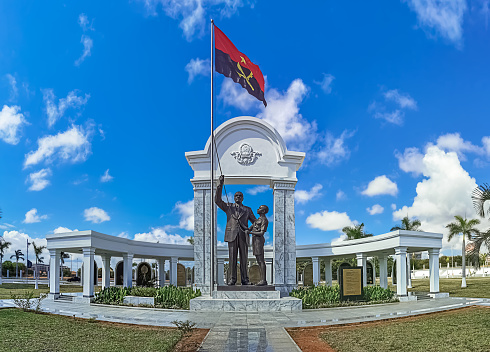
point(328, 296)
point(185, 327)
point(165, 297)
point(26, 300)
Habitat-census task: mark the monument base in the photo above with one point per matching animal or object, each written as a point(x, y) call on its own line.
point(244, 299)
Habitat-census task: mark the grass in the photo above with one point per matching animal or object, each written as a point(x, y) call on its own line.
point(7, 288)
point(478, 287)
point(454, 331)
point(27, 331)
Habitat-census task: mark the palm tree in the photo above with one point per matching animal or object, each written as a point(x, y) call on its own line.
point(480, 195)
point(37, 252)
point(408, 225)
point(18, 255)
point(191, 240)
point(355, 232)
point(467, 229)
point(3, 246)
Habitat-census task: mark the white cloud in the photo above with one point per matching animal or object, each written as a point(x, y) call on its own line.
point(393, 206)
point(334, 150)
point(329, 220)
point(444, 193)
point(159, 235)
point(14, 91)
point(375, 209)
point(38, 179)
point(87, 49)
point(19, 240)
point(444, 17)
point(123, 234)
point(411, 161)
point(326, 83)
point(32, 217)
point(381, 185)
point(56, 111)
point(197, 67)
point(72, 145)
point(403, 100)
point(486, 145)
point(454, 143)
point(6, 226)
point(282, 113)
point(193, 13)
point(84, 23)
point(233, 94)
point(302, 197)
point(393, 109)
point(11, 122)
point(106, 177)
point(258, 189)
point(340, 195)
point(186, 212)
point(96, 215)
point(62, 229)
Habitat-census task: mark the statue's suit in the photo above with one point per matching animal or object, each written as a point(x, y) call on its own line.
point(237, 218)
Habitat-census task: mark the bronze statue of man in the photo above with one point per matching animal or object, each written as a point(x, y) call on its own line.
point(237, 218)
point(258, 230)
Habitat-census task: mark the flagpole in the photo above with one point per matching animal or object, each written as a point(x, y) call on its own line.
point(211, 283)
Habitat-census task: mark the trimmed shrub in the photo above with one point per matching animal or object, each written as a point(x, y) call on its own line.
point(377, 293)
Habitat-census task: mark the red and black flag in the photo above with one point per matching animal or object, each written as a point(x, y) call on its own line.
point(236, 65)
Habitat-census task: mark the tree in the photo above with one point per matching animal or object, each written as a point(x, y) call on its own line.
point(63, 256)
point(191, 240)
point(467, 229)
point(18, 255)
point(37, 252)
point(480, 195)
point(3, 246)
point(355, 232)
point(408, 225)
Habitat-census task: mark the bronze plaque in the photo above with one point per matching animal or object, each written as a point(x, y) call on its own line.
point(181, 281)
point(352, 282)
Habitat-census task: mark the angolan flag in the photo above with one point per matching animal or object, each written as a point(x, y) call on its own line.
point(236, 65)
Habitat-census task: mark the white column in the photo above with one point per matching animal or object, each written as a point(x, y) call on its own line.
point(268, 270)
point(106, 271)
point(328, 271)
point(316, 270)
point(361, 261)
point(221, 271)
point(88, 275)
point(434, 269)
point(128, 269)
point(54, 269)
point(401, 271)
point(173, 270)
point(409, 272)
point(383, 271)
point(161, 272)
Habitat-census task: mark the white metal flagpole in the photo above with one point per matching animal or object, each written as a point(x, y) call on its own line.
point(211, 210)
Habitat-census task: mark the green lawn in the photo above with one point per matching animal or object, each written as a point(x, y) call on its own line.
point(27, 331)
point(476, 287)
point(454, 331)
point(7, 288)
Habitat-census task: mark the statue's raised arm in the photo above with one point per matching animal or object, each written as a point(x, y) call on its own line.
point(219, 190)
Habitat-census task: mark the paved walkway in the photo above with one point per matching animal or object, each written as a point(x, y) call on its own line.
point(263, 331)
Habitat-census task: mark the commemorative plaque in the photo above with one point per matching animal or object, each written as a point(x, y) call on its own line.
point(350, 282)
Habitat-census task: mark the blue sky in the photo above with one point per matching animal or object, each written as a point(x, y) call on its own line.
point(100, 101)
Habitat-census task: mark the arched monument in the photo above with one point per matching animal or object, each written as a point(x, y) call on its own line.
point(251, 152)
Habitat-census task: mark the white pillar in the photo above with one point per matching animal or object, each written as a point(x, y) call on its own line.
point(161, 272)
point(316, 270)
point(88, 275)
point(128, 269)
point(409, 272)
point(221, 271)
point(361, 261)
point(54, 269)
point(106, 271)
point(383, 271)
point(434, 269)
point(173, 270)
point(268, 270)
point(328, 271)
point(447, 272)
point(401, 271)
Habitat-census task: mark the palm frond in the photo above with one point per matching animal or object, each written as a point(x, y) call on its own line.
point(480, 195)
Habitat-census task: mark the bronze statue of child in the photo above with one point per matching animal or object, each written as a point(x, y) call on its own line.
point(258, 229)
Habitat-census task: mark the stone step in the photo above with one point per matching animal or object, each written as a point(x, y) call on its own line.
point(246, 294)
point(285, 304)
point(65, 298)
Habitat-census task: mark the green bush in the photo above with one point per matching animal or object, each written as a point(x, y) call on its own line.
point(377, 293)
point(165, 297)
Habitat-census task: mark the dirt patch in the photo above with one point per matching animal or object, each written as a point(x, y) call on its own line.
point(192, 342)
point(308, 338)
